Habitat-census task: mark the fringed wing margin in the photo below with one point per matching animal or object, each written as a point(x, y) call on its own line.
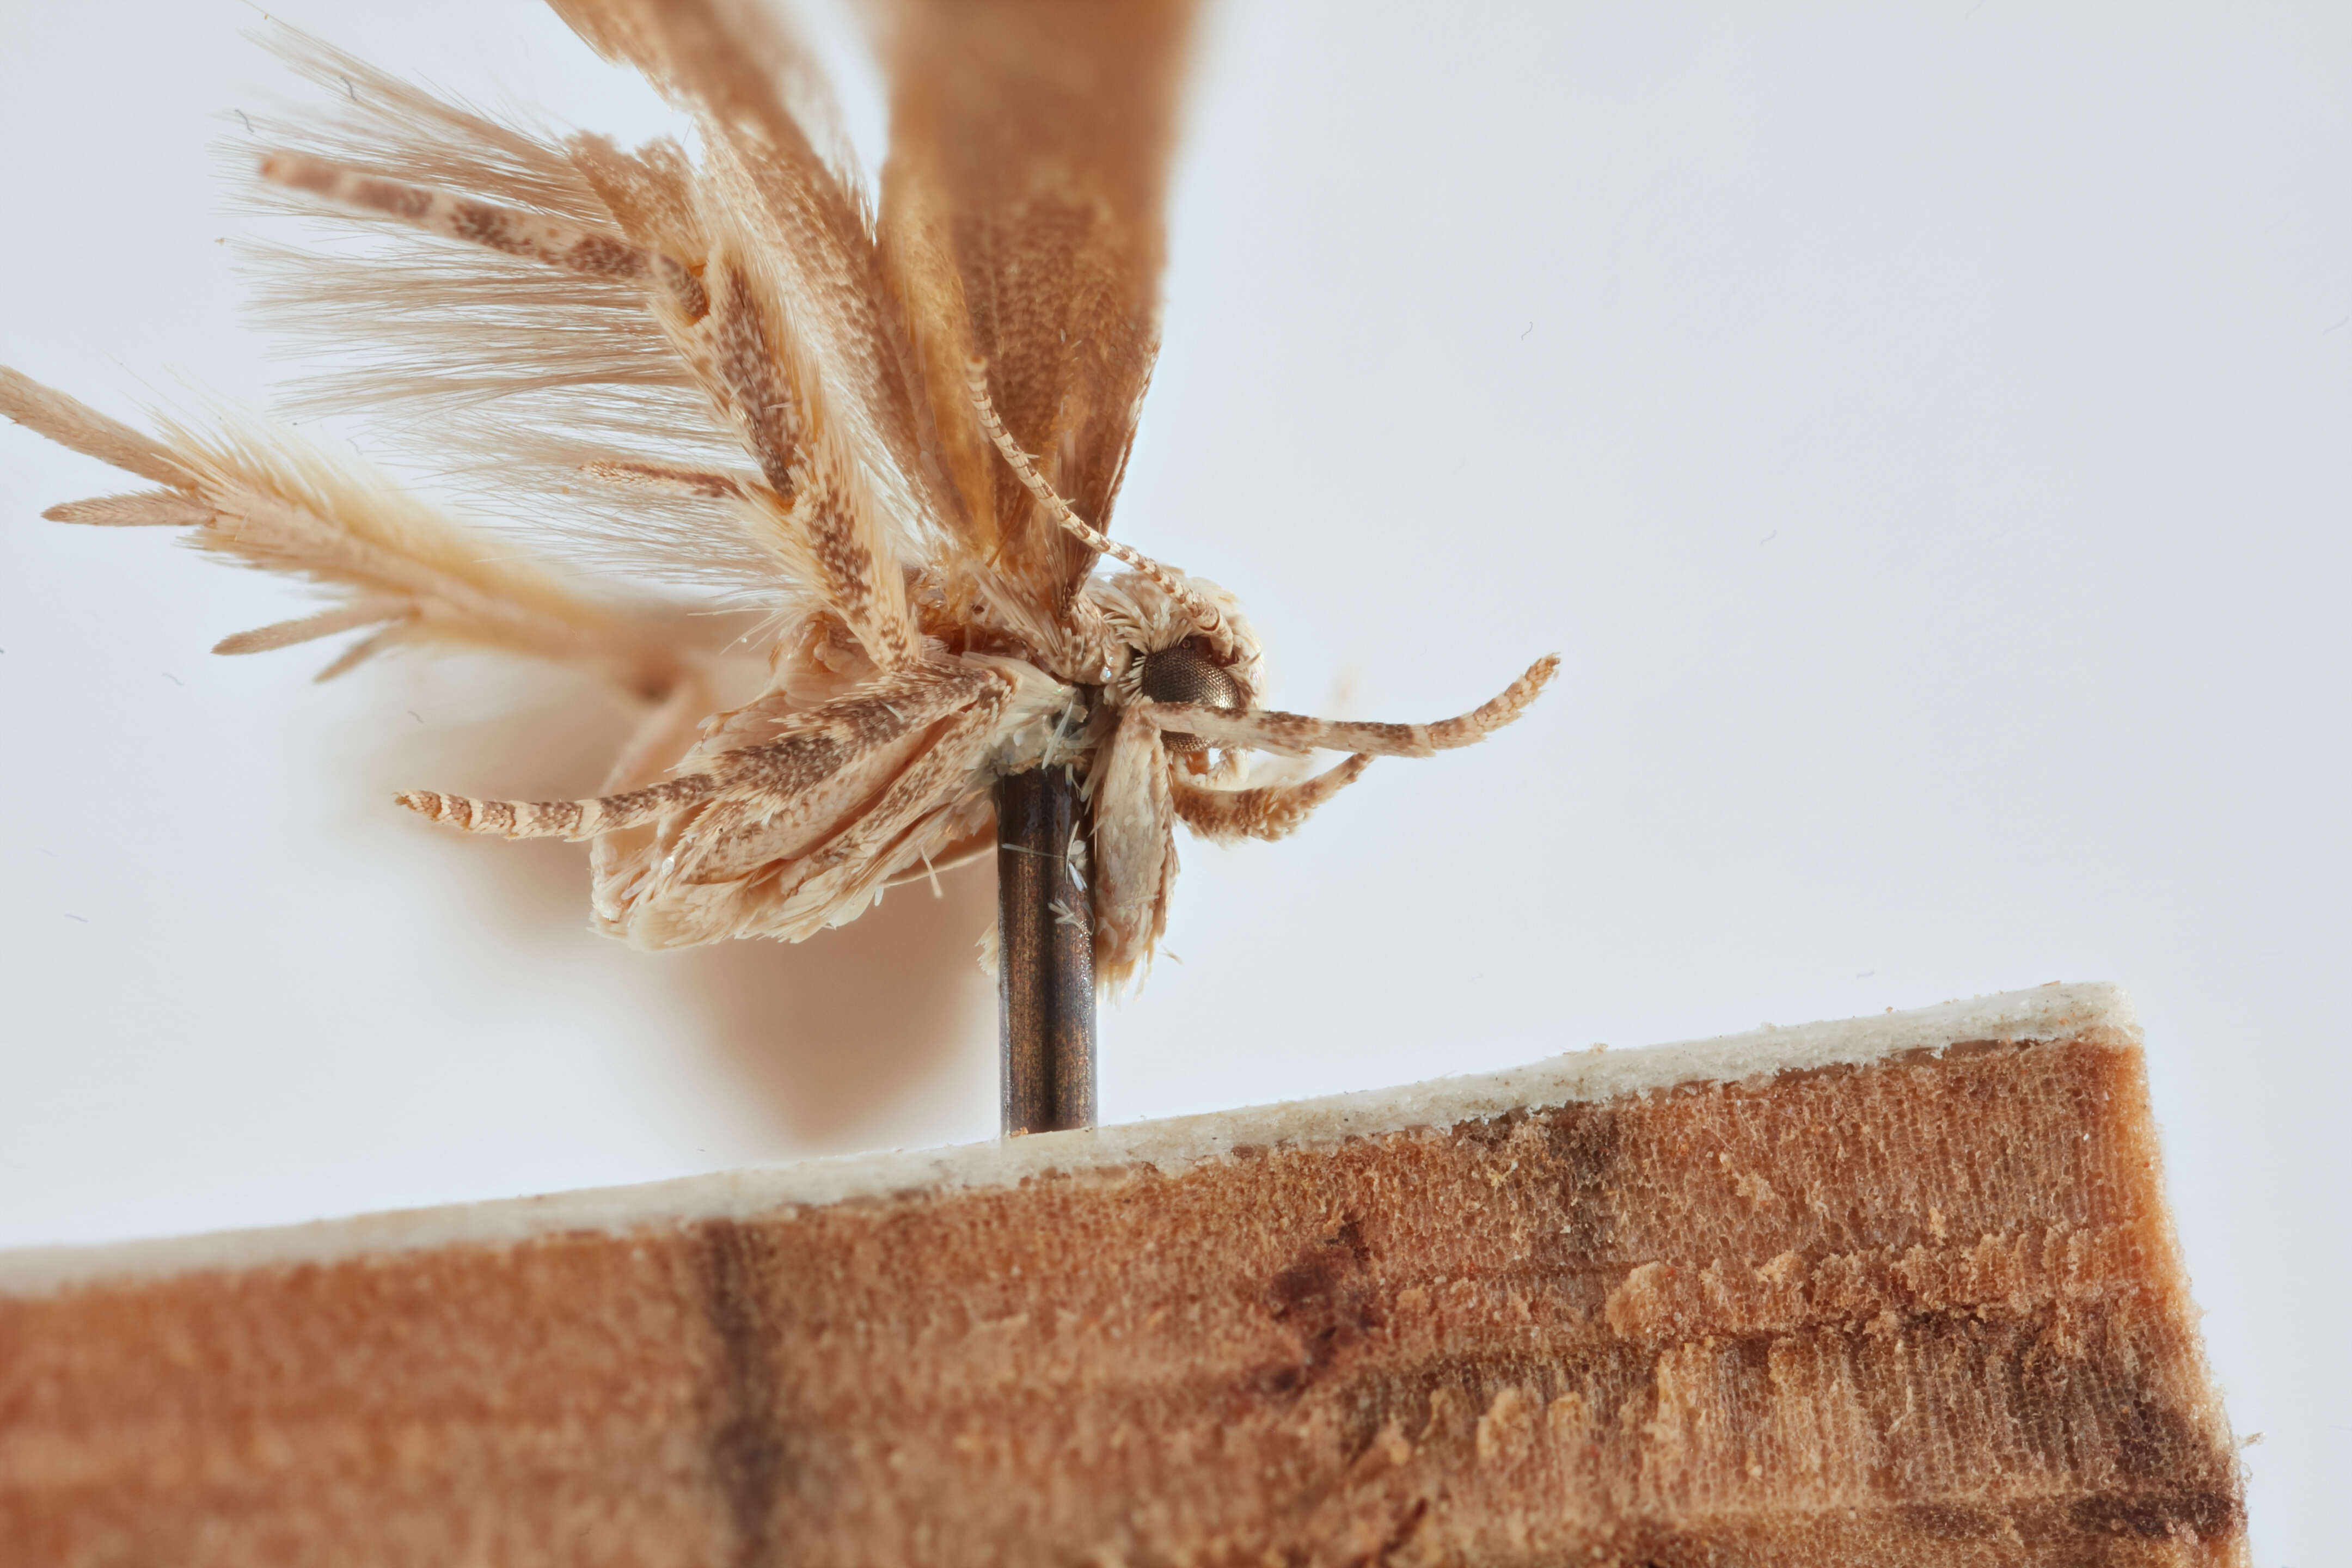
point(388, 560)
point(749, 279)
point(790, 328)
point(530, 372)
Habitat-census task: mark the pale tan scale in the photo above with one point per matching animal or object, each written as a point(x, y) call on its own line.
point(360, 652)
point(325, 624)
point(84, 429)
point(898, 425)
point(150, 509)
point(1266, 812)
point(266, 498)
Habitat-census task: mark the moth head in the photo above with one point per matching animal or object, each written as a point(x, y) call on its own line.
point(1164, 605)
point(1168, 657)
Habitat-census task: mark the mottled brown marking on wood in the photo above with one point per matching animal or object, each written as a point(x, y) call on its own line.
point(747, 1443)
point(1325, 1298)
point(1583, 1140)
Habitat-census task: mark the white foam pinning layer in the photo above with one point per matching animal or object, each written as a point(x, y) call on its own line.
point(2051, 1012)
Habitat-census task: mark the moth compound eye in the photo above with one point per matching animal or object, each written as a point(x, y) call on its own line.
point(1185, 673)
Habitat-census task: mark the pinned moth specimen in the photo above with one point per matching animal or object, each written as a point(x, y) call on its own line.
point(894, 430)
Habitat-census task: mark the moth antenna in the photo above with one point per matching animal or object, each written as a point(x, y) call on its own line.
point(1198, 610)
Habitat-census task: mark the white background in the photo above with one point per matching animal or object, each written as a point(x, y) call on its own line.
point(1923, 429)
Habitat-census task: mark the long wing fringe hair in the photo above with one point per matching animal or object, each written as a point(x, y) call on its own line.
point(893, 433)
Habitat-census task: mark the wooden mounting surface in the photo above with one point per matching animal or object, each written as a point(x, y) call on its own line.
point(1900, 1291)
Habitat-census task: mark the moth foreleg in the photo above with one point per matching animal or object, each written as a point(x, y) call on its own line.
point(1268, 812)
point(1135, 847)
point(1266, 729)
point(665, 733)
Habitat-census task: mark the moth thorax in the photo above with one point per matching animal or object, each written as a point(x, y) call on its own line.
point(1186, 672)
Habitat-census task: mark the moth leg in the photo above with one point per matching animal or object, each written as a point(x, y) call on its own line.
point(1268, 812)
point(850, 868)
point(666, 732)
point(572, 819)
point(784, 801)
point(788, 862)
point(1268, 731)
point(812, 749)
point(1135, 847)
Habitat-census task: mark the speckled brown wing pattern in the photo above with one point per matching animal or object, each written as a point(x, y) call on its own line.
point(796, 345)
point(1022, 225)
point(893, 441)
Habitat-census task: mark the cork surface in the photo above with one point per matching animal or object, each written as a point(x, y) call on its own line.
point(1920, 1306)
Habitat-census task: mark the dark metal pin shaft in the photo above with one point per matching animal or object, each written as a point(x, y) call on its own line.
point(1046, 956)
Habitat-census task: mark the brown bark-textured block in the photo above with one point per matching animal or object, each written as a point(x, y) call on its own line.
point(1902, 1291)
